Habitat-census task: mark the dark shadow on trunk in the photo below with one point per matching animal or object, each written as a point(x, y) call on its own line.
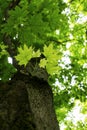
point(26, 103)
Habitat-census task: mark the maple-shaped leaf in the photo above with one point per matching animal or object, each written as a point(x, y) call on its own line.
point(25, 55)
point(50, 62)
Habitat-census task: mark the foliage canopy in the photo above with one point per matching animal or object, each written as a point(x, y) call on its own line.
point(53, 31)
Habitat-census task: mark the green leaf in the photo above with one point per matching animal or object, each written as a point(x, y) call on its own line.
point(37, 53)
point(3, 51)
point(50, 62)
point(48, 50)
point(52, 69)
point(25, 55)
point(43, 63)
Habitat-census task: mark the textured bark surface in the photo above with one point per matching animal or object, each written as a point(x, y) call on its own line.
point(26, 103)
point(15, 112)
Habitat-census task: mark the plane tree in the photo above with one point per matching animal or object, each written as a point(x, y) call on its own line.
point(46, 41)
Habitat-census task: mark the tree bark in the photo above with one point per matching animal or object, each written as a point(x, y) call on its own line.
point(26, 103)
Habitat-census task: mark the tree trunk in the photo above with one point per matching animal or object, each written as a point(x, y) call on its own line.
point(26, 103)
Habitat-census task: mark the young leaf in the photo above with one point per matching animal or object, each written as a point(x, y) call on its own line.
point(36, 54)
point(25, 55)
point(43, 63)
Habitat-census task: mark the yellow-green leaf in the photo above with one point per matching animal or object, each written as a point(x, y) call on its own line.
point(43, 63)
